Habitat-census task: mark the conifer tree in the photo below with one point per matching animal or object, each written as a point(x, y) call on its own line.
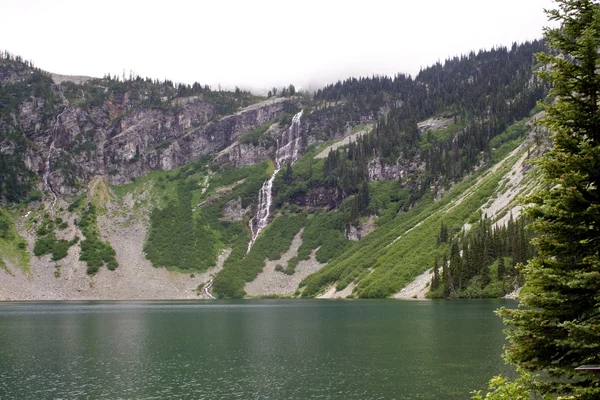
point(288, 174)
point(560, 328)
point(435, 281)
point(446, 277)
point(501, 268)
point(364, 197)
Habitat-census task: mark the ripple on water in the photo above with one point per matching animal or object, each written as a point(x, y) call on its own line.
point(248, 350)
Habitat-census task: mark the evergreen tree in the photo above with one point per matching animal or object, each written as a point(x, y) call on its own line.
point(501, 268)
point(288, 174)
point(560, 328)
point(446, 277)
point(443, 236)
point(435, 281)
point(354, 211)
point(454, 268)
point(363, 195)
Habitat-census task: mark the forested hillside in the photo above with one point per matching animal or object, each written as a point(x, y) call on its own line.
point(186, 163)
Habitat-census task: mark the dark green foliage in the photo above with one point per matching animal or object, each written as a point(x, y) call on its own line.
point(186, 240)
point(323, 231)
point(146, 92)
point(288, 174)
point(472, 254)
point(403, 244)
point(5, 225)
point(84, 143)
point(179, 240)
point(558, 329)
point(94, 251)
point(290, 107)
point(241, 267)
point(258, 136)
point(36, 87)
point(76, 204)
point(290, 268)
point(435, 281)
point(443, 237)
point(46, 241)
point(16, 180)
point(483, 94)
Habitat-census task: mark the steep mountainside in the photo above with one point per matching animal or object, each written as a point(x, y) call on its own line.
point(181, 191)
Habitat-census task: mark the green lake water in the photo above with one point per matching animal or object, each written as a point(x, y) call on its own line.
point(255, 349)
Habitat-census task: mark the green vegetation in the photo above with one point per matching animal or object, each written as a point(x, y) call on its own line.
point(323, 231)
point(240, 267)
point(16, 180)
point(13, 247)
point(47, 243)
point(5, 226)
point(187, 231)
point(258, 137)
point(84, 143)
point(557, 328)
point(481, 263)
point(402, 247)
point(177, 239)
point(500, 388)
point(484, 93)
point(94, 251)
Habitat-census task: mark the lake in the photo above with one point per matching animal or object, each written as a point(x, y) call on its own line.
point(252, 349)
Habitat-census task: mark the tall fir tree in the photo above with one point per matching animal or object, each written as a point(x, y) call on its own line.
point(558, 329)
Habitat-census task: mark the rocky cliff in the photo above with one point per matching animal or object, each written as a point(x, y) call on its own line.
point(125, 143)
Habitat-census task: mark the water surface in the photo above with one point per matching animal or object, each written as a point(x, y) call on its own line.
point(258, 349)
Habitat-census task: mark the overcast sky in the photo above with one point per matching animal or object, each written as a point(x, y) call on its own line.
point(259, 43)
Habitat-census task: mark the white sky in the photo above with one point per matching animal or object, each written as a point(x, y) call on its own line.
point(259, 43)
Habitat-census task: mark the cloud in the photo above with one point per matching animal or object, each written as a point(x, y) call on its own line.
point(259, 43)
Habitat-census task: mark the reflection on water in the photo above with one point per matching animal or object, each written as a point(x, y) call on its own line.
point(263, 349)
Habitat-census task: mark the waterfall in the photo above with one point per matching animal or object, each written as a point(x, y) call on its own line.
point(47, 171)
point(288, 149)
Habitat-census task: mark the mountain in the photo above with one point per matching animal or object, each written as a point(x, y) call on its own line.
point(133, 188)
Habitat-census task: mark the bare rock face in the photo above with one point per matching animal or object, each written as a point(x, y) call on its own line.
point(377, 170)
point(233, 211)
point(13, 72)
point(124, 143)
point(163, 140)
point(436, 123)
point(320, 197)
point(240, 154)
point(362, 230)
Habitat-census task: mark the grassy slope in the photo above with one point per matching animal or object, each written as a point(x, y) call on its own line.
point(13, 247)
point(403, 245)
point(398, 251)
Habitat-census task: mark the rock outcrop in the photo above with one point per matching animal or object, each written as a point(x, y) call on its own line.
point(125, 142)
point(328, 197)
point(377, 170)
point(163, 140)
point(239, 154)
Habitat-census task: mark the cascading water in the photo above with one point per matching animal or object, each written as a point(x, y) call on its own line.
point(288, 148)
point(47, 171)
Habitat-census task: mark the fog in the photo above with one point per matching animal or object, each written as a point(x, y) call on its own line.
point(259, 44)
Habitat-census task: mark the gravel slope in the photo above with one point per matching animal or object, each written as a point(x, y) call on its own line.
point(271, 282)
point(134, 279)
